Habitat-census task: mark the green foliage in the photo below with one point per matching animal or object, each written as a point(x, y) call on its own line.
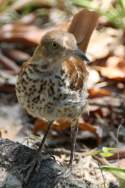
point(115, 13)
point(5, 5)
point(118, 172)
point(104, 152)
point(107, 152)
point(85, 3)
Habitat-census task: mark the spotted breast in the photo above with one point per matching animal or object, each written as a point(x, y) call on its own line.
point(50, 95)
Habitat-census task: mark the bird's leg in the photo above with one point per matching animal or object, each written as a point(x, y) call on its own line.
point(44, 137)
point(35, 163)
point(74, 131)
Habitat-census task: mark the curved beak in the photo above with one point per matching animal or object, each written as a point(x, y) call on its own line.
point(79, 54)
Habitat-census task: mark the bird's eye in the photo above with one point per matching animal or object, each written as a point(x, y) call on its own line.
point(54, 45)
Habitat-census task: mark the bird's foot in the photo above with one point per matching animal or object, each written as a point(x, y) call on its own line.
point(32, 167)
point(63, 174)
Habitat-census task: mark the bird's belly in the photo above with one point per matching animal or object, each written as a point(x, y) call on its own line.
point(51, 102)
point(53, 112)
point(52, 109)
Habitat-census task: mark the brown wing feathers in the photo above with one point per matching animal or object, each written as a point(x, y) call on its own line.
point(77, 73)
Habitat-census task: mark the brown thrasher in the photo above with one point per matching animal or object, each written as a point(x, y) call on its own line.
point(51, 86)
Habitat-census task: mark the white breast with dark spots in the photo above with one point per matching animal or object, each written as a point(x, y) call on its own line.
point(50, 97)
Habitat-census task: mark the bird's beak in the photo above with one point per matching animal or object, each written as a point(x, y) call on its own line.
point(79, 54)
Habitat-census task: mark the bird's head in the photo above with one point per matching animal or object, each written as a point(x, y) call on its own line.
point(57, 46)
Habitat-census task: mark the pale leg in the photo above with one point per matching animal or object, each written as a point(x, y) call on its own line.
point(74, 131)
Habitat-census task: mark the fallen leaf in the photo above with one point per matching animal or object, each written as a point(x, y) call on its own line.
point(98, 92)
point(115, 69)
point(63, 124)
point(29, 35)
point(8, 63)
point(17, 55)
point(93, 77)
point(104, 42)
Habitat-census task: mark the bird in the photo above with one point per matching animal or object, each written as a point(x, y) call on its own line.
point(52, 83)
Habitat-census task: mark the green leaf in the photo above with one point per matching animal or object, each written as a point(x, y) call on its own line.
point(107, 152)
point(118, 172)
point(114, 14)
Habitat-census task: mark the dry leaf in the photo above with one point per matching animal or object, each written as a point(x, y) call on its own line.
point(17, 55)
point(104, 42)
point(26, 34)
point(98, 92)
point(29, 35)
point(115, 69)
point(93, 77)
point(8, 63)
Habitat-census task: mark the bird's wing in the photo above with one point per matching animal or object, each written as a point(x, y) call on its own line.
point(77, 73)
point(25, 65)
